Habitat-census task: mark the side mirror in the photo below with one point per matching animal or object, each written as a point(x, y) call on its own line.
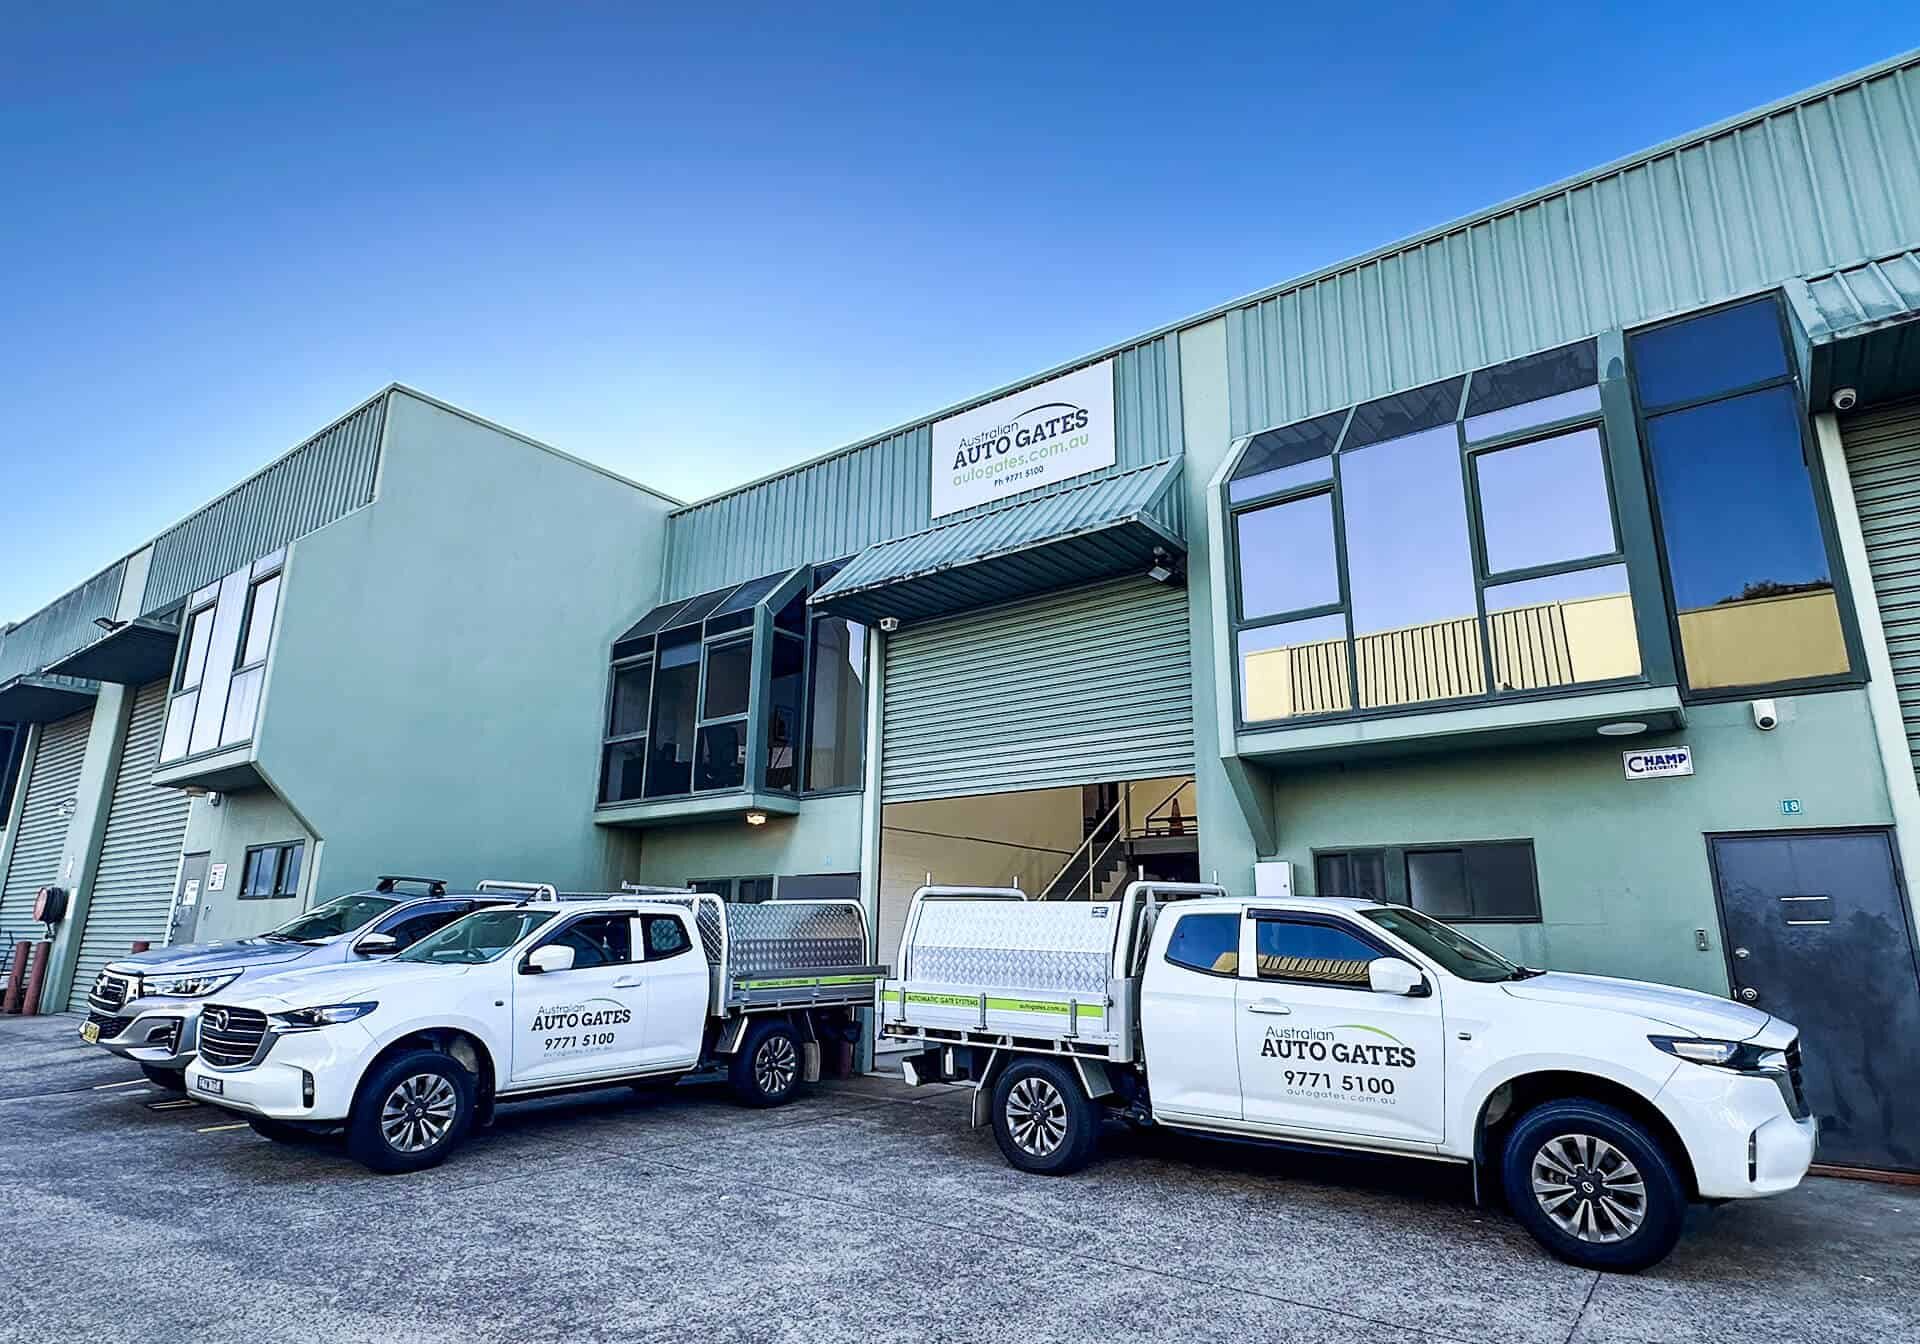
point(1391, 975)
point(544, 960)
point(377, 945)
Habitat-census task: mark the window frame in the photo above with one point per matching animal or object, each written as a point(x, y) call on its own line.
point(1810, 454)
point(1469, 451)
point(1239, 929)
point(282, 851)
point(555, 932)
point(728, 888)
point(1398, 880)
point(647, 957)
point(1258, 916)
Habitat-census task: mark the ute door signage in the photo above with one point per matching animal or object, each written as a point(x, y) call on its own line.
point(1050, 432)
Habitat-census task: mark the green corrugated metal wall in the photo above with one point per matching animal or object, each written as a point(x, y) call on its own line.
point(1074, 688)
point(44, 815)
point(139, 854)
point(1817, 184)
point(1883, 458)
point(834, 507)
point(63, 625)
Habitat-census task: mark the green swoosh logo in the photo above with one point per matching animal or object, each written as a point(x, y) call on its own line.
point(1361, 1026)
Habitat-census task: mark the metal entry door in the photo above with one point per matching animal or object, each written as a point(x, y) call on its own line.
point(1817, 933)
point(186, 898)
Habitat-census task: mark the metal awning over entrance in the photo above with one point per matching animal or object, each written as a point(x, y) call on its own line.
point(132, 654)
point(1119, 525)
point(1863, 326)
point(44, 699)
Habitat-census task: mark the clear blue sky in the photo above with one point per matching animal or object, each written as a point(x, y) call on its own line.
point(696, 248)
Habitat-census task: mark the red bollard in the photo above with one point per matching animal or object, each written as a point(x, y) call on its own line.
point(36, 976)
point(16, 978)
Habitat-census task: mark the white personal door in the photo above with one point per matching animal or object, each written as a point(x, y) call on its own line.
point(677, 991)
point(588, 1021)
point(1188, 1017)
point(1321, 1053)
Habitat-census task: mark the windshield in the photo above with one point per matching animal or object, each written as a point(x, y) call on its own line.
point(1455, 951)
point(477, 938)
point(332, 919)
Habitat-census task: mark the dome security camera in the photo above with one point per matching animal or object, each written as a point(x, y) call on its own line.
point(1766, 716)
point(1846, 398)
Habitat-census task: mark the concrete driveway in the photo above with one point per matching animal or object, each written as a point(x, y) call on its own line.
point(863, 1212)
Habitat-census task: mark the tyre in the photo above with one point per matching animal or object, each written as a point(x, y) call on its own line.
point(766, 1068)
point(1593, 1186)
point(1042, 1117)
point(278, 1130)
point(173, 1080)
point(411, 1112)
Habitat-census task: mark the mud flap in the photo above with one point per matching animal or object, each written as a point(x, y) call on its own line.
point(810, 1062)
point(978, 1117)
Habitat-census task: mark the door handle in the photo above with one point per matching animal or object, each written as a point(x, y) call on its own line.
point(1270, 1007)
point(629, 982)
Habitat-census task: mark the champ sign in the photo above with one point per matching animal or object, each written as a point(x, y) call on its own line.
point(1060, 429)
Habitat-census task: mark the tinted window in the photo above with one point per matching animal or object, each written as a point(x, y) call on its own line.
point(670, 745)
point(1359, 873)
point(1315, 953)
point(1287, 560)
point(622, 771)
point(837, 711)
point(665, 936)
point(1493, 882)
point(1206, 942)
point(783, 713)
point(1286, 457)
point(409, 929)
point(632, 689)
point(199, 632)
point(1721, 352)
point(1297, 668)
point(1410, 571)
point(1563, 629)
point(729, 674)
point(721, 758)
point(753, 890)
point(336, 917)
point(479, 937)
point(1453, 950)
point(1545, 502)
point(597, 940)
point(262, 602)
point(1405, 413)
point(1534, 390)
point(1751, 582)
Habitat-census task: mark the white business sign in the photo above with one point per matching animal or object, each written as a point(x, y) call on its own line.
point(1055, 431)
point(1658, 762)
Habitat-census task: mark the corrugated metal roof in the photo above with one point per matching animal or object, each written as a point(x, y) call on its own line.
point(1097, 530)
point(879, 489)
point(1859, 298)
point(62, 626)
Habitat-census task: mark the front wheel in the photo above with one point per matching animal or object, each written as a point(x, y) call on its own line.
point(1593, 1186)
point(1042, 1117)
point(411, 1112)
point(766, 1068)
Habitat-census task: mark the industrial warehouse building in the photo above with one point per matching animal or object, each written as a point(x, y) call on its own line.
point(1556, 571)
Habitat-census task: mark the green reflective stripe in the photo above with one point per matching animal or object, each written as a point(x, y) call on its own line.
point(803, 982)
point(1001, 1005)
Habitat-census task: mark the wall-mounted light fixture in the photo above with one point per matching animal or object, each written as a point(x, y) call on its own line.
point(756, 818)
point(888, 624)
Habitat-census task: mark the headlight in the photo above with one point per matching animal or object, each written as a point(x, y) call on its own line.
point(307, 1019)
point(1739, 1056)
point(187, 986)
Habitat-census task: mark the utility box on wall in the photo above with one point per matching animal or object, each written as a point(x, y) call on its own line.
point(1273, 878)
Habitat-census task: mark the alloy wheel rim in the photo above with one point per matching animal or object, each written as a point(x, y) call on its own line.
point(775, 1065)
point(1592, 1191)
point(418, 1112)
point(1037, 1116)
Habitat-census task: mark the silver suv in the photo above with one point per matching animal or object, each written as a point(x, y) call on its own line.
point(146, 1007)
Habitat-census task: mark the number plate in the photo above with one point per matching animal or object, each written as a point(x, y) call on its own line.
point(90, 1032)
point(211, 1085)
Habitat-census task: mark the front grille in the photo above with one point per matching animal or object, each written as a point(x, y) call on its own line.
point(109, 992)
point(231, 1037)
point(1795, 1090)
point(109, 1026)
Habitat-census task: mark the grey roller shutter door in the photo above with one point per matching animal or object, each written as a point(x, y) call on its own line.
point(1883, 458)
point(52, 788)
point(1073, 688)
point(139, 854)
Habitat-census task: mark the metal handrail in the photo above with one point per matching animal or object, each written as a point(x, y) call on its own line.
point(1046, 892)
point(1146, 822)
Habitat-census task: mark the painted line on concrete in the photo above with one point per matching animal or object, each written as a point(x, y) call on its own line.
point(130, 1082)
point(180, 1104)
point(221, 1129)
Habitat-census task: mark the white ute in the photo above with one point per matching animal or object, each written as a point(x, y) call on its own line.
point(554, 994)
point(1600, 1107)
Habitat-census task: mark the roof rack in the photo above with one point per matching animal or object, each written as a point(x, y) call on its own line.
point(632, 892)
point(436, 886)
point(526, 891)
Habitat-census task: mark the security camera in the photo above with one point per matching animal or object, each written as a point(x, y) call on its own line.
point(1765, 716)
point(1846, 398)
